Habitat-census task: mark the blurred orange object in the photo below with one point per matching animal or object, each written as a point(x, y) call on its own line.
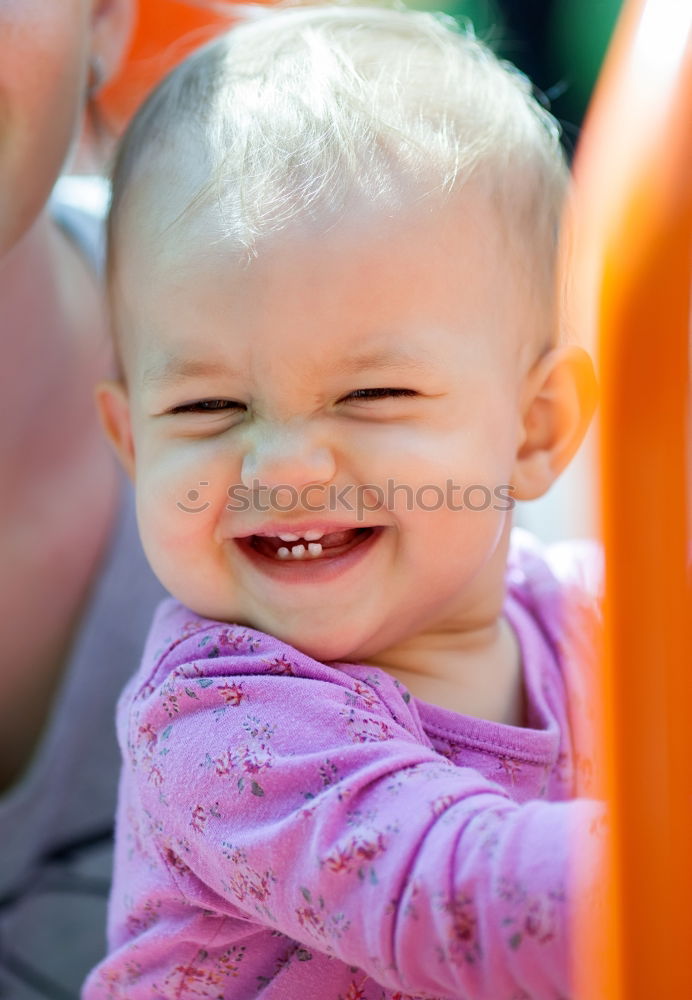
point(631, 272)
point(166, 31)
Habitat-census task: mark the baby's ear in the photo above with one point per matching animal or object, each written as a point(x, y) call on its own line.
point(113, 405)
point(558, 404)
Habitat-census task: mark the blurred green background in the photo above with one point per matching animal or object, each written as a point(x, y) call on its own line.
point(559, 44)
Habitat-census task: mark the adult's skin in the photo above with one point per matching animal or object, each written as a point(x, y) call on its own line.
point(59, 486)
point(75, 591)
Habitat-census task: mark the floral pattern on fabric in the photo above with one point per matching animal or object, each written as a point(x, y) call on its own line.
point(289, 828)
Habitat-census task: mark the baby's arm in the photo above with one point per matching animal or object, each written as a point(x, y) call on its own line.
point(304, 803)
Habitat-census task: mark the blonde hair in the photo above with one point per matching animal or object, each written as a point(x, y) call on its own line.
point(298, 110)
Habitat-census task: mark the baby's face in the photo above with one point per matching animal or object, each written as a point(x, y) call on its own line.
point(357, 392)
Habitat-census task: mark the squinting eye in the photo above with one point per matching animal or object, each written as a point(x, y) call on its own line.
point(380, 393)
point(208, 406)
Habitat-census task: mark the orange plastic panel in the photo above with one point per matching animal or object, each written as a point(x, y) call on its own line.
point(632, 281)
point(166, 31)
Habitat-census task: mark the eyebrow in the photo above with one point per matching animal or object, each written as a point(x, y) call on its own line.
point(175, 370)
point(382, 359)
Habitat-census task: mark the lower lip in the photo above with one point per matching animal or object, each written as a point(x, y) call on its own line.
point(321, 569)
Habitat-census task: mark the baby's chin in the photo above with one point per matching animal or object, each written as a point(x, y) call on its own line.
point(329, 648)
point(333, 639)
point(336, 648)
point(323, 648)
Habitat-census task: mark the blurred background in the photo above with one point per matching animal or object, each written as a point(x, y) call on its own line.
point(559, 44)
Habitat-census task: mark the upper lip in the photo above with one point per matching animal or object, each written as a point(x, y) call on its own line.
point(275, 529)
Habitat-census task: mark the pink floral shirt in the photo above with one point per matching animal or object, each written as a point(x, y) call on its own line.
point(294, 830)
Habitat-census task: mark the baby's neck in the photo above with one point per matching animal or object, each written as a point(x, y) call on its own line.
point(478, 673)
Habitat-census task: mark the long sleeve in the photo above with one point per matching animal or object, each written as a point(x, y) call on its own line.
point(286, 793)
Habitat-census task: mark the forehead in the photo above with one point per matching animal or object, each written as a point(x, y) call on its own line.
point(369, 284)
point(172, 195)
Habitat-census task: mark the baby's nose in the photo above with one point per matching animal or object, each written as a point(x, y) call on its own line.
point(287, 457)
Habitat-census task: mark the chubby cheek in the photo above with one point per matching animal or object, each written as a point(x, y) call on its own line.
point(451, 503)
point(178, 510)
point(421, 471)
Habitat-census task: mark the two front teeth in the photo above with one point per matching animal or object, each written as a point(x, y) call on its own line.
point(300, 551)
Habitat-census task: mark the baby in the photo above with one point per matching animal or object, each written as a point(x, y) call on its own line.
point(347, 750)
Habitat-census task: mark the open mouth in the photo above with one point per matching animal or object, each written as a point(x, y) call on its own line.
point(313, 545)
point(314, 557)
